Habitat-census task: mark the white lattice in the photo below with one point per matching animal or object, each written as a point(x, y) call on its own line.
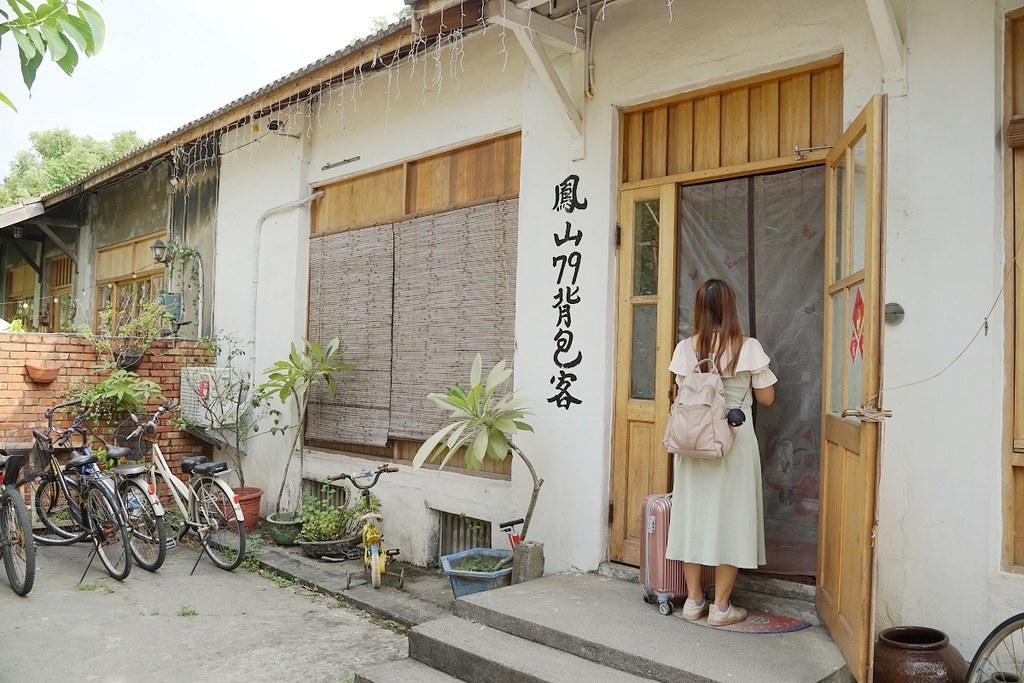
point(212, 397)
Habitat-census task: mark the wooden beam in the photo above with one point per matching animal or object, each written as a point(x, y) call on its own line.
point(58, 241)
point(504, 13)
point(55, 222)
point(887, 33)
point(549, 77)
point(28, 259)
point(530, 4)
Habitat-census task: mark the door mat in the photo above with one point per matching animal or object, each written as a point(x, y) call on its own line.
point(757, 621)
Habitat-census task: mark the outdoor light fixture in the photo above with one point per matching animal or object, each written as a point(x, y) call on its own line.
point(18, 231)
point(159, 250)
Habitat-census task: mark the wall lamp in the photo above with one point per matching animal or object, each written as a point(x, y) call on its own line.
point(159, 250)
point(17, 232)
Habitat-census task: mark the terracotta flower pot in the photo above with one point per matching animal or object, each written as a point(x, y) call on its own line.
point(249, 500)
point(41, 372)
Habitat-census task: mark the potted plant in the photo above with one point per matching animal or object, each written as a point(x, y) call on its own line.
point(118, 393)
point(328, 529)
point(124, 336)
point(485, 425)
point(290, 380)
point(218, 403)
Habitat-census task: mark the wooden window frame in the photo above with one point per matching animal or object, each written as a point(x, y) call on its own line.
point(126, 267)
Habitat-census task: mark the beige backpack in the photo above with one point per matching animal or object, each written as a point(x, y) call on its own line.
point(697, 424)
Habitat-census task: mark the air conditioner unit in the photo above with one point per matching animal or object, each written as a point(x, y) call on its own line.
point(213, 397)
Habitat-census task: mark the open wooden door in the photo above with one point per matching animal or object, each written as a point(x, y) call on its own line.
point(646, 317)
point(853, 316)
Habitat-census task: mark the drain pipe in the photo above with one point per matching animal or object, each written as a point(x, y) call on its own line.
point(256, 263)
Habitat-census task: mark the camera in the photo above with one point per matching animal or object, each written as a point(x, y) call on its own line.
point(735, 417)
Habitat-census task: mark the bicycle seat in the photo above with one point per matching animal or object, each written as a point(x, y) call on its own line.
point(79, 460)
point(210, 467)
point(129, 470)
point(189, 464)
point(118, 452)
point(371, 516)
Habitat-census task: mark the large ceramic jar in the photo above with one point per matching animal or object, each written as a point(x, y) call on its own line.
point(908, 654)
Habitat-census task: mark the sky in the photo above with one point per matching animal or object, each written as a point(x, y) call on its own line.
point(165, 63)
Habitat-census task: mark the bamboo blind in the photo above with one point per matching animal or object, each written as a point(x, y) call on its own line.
point(454, 297)
point(350, 291)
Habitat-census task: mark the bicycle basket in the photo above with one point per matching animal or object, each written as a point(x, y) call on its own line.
point(21, 442)
point(141, 444)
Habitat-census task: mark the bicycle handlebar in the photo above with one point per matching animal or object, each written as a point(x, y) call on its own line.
point(151, 422)
point(64, 435)
point(365, 474)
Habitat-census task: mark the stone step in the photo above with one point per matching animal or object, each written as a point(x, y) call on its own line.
point(606, 621)
point(478, 653)
point(403, 670)
point(788, 598)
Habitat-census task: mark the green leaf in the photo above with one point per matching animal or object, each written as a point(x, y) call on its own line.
point(474, 374)
point(25, 46)
point(5, 100)
point(97, 29)
point(70, 59)
point(477, 451)
point(524, 427)
point(497, 445)
point(425, 451)
point(75, 29)
point(497, 375)
point(54, 42)
point(29, 68)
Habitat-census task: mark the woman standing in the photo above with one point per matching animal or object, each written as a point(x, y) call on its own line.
point(717, 514)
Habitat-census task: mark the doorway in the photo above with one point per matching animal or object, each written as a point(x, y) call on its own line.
point(764, 235)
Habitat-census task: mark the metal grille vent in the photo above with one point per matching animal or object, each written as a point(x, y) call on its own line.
point(334, 494)
point(461, 532)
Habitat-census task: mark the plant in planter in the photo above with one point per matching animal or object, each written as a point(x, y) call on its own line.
point(219, 402)
point(291, 380)
point(485, 426)
point(115, 395)
point(124, 336)
point(329, 529)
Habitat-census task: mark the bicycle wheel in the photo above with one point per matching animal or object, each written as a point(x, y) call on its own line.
point(147, 533)
point(1001, 655)
point(109, 533)
point(61, 519)
point(174, 520)
point(222, 535)
point(375, 559)
point(16, 541)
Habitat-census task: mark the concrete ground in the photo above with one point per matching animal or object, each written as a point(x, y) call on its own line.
point(171, 626)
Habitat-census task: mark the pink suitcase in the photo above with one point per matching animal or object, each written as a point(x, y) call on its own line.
point(662, 579)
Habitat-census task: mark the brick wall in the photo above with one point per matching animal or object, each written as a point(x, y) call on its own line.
point(23, 401)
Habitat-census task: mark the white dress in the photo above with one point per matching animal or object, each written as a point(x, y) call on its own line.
point(717, 511)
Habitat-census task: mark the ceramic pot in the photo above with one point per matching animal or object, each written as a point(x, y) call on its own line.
point(336, 548)
point(908, 654)
point(249, 500)
point(43, 373)
point(284, 527)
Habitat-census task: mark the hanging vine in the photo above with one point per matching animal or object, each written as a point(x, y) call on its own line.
point(188, 262)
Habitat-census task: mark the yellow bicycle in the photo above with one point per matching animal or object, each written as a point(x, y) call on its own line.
point(376, 556)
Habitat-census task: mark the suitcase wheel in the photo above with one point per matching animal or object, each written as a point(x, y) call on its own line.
point(665, 608)
point(650, 598)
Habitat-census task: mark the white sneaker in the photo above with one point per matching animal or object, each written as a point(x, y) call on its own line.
point(692, 611)
point(733, 615)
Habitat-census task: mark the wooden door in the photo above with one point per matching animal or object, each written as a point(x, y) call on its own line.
point(646, 317)
point(853, 316)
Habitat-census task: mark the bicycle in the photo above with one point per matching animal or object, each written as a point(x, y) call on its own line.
point(77, 501)
point(142, 506)
point(1000, 658)
point(375, 556)
point(16, 546)
point(509, 528)
point(206, 506)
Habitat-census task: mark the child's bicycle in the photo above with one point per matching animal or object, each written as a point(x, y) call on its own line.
point(375, 555)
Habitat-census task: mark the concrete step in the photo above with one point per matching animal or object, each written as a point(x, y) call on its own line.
point(607, 622)
point(789, 598)
point(478, 653)
point(403, 670)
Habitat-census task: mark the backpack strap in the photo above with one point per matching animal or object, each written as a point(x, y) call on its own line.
point(710, 359)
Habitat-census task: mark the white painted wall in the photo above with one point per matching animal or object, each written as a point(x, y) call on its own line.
point(939, 506)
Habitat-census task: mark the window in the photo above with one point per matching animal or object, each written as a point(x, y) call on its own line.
point(60, 311)
point(126, 278)
point(414, 283)
point(21, 295)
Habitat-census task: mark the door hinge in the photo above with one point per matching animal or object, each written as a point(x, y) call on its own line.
point(611, 510)
point(618, 235)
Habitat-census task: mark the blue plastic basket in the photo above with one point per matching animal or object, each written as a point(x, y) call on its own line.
point(469, 582)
